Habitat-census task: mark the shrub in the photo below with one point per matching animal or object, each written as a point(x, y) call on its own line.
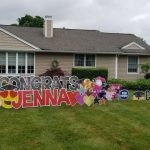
point(147, 76)
point(143, 84)
point(54, 71)
point(145, 68)
point(89, 73)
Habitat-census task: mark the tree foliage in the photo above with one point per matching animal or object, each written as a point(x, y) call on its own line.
point(145, 68)
point(30, 21)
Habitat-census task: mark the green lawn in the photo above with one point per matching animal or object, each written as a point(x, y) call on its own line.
point(118, 125)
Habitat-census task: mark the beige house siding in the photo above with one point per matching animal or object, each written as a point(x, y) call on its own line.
point(8, 42)
point(43, 61)
point(108, 62)
point(122, 68)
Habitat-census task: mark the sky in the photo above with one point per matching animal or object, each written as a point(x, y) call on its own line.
point(115, 16)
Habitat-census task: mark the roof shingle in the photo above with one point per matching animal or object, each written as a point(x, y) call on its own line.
point(77, 41)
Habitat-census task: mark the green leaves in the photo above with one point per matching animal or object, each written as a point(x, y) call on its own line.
point(145, 68)
point(30, 21)
point(144, 84)
point(89, 73)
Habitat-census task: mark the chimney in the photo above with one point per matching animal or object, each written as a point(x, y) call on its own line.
point(48, 27)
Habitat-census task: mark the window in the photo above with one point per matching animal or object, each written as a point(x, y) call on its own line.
point(90, 60)
point(82, 60)
point(11, 62)
point(79, 60)
point(30, 63)
point(21, 62)
point(132, 64)
point(16, 63)
point(2, 62)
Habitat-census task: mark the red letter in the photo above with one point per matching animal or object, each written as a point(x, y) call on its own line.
point(39, 98)
point(27, 99)
point(72, 97)
point(63, 97)
point(50, 98)
point(19, 102)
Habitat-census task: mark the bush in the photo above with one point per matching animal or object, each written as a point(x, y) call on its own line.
point(147, 76)
point(143, 84)
point(145, 67)
point(54, 71)
point(89, 73)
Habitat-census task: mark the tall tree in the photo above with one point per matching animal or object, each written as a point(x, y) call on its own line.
point(30, 21)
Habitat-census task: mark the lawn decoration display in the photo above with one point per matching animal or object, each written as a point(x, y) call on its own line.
point(116, 88)
point(147, 95)
point(123, 94)
point(138, 95)
point(8, 95)
point(25, 92)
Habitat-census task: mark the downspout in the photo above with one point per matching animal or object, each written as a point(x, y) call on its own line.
point(116, 67)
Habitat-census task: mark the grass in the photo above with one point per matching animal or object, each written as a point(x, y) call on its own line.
point(118, 125)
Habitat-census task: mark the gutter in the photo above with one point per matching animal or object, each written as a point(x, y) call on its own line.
point(23, 50)
point(73, 52)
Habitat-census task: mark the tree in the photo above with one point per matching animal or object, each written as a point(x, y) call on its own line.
point(30, 21)
point(145, 68)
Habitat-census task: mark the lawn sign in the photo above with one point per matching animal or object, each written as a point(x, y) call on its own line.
point(25, 92)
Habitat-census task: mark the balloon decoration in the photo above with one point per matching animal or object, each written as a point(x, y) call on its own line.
point(97, 91)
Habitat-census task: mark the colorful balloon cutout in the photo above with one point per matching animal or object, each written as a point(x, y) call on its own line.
point(98, 84)
point(88, 100)
point(87, 84)
point(116, 88)
point(81, 90)
point(79, 98)
point(94, 93)
point(110, 94)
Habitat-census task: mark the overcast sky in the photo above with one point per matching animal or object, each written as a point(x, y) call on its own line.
point(127, 16)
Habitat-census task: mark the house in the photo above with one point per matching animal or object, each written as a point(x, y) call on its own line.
point(30, 50)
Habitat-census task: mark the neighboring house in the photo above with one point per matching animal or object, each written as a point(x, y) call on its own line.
point(30, 51)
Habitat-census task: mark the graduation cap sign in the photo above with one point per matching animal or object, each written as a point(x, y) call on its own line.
point(8, 87)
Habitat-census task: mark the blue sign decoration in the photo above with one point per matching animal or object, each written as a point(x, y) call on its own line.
point(123, 94)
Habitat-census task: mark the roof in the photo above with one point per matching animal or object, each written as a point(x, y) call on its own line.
point(78, 41)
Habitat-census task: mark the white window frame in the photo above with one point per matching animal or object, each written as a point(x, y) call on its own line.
point(26, 67)
point(16, 62)
point(137, 65)
point(33, 64)
point(4, 61)
point(74, 66)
